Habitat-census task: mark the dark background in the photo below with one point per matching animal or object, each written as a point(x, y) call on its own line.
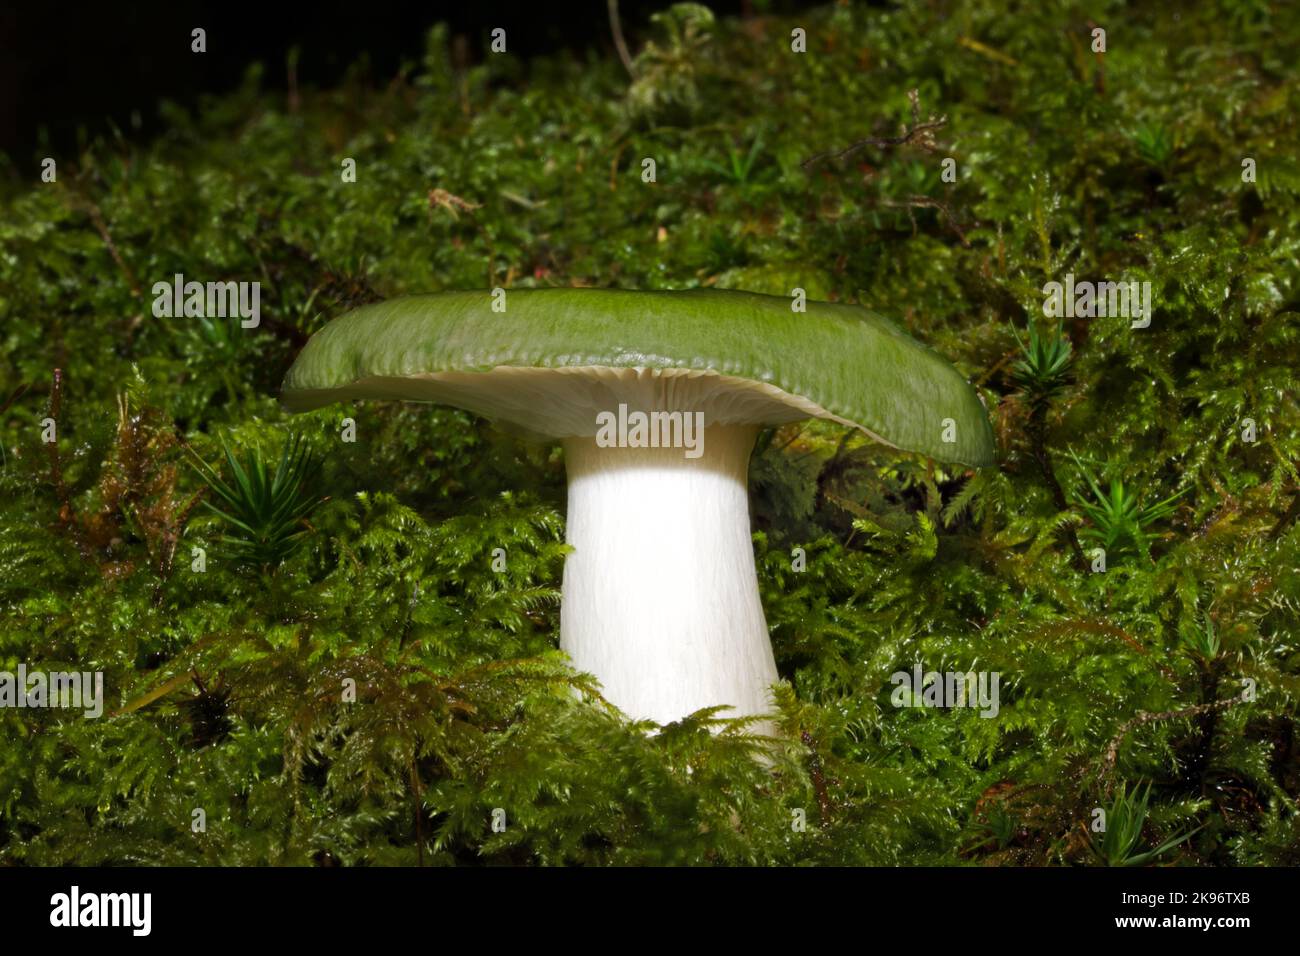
point(67, 69)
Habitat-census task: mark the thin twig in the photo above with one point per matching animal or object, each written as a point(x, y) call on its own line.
point(171, 537)
point(919, 134)
point(17, 394)
point(915, 201)
point(790, 441)
point(1288, 516)
point(56, 467)
point(818, 776)
point(101, 227)
point(1001, 363)
point(985, 50)
point(616, 27)
point(1099, 70)
point(1145, 717)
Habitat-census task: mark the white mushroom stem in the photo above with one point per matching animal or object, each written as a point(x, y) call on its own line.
point(660, 594)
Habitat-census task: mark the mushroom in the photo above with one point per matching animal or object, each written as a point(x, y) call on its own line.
point(658, 398)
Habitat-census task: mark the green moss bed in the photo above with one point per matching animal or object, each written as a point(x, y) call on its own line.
point(357, 684)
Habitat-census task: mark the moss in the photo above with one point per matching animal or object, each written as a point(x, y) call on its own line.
point(228, 685)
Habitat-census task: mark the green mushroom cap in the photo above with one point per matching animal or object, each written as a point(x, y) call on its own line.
point(543, 360)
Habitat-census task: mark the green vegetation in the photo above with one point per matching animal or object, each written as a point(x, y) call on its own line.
point(266, 510)
point(1162, 690)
